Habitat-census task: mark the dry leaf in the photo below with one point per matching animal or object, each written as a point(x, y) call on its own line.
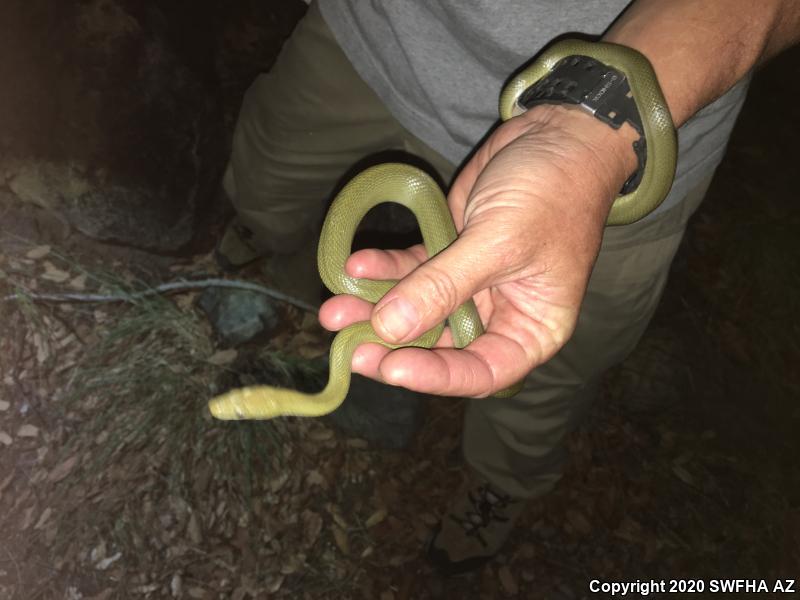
point(239, 593)
point(527, 550)
point(193, 529)
point(38, 252)
point(507, 581)
point(185, 301)
point(98, 553)
point(5, 482)
point(27, 518)
point(176, 585)
point(107, 562)
point(629, 530)
point(377, 517)
point(337, 516)
point(683, 474)
point(53, 273)
point(5, 439)
point(316, 478)
point(321, 435)
point(275, 584)
point(277, 483)
point(28, 431)
point(310, 322)
point(78, 283)
point(357, 443)
point(66, 341)
point(43, 519)
point(312, 526)
point(42, 349)
point(223, 357)
point(579, 522)
point(429, 519)
point(63, 469)
point(340, 537)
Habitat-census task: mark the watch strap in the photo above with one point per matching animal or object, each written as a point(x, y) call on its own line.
point(600, 90)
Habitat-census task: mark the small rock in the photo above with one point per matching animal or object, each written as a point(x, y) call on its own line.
point(238, 315)
point(5, 439)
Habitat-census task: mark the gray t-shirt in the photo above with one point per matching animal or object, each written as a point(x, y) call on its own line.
point(439, 67)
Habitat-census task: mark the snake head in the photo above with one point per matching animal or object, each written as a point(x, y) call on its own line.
point(226, 407)
point(245, 403)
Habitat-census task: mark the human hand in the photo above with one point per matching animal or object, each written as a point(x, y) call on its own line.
point(530, 207)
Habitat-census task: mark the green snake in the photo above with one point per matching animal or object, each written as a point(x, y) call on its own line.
point(414, 189)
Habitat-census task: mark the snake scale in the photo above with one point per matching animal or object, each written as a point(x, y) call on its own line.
point(414, 189)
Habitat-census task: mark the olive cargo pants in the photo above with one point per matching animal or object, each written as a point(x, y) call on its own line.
point(304, 124)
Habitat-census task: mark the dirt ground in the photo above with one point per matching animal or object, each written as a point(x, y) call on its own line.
point(114, 484)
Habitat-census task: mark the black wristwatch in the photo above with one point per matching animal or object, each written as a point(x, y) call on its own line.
point(598, 89)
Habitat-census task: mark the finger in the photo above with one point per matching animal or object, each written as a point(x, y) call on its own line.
point(340, 311)
point(367, 359)
point(434, 290)
point(385, 264)
point(486, 366)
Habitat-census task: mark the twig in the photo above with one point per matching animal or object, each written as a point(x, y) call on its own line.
point(163, 288)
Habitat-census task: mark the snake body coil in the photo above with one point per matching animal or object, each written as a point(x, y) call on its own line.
point(414, 189)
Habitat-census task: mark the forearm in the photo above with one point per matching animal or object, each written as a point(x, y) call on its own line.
point(700, 49)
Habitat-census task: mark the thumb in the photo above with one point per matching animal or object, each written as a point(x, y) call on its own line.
point(430, 293)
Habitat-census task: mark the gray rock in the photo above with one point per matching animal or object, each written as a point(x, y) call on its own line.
point(238, 315)
point(385, 415)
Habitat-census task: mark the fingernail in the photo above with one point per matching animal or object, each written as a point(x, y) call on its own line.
point(397, 318)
